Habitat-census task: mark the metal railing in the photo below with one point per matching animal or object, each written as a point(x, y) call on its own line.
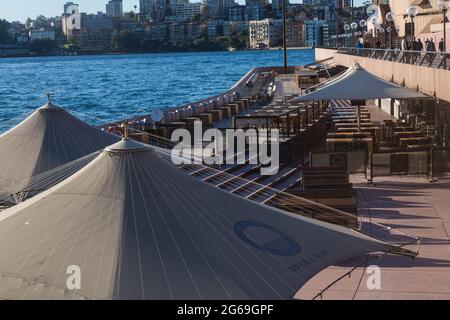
point(437, 60)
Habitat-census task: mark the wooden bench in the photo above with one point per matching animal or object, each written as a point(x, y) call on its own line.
point(216, 115)
point(226, 112)
point(206, 118)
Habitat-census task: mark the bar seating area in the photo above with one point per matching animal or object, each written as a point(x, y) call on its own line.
point(350, 133)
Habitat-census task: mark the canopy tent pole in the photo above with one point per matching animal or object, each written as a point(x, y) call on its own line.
point(358, 116)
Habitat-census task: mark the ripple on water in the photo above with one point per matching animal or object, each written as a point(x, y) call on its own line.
point(108, 88)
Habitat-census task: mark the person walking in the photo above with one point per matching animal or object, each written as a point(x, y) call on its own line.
point(378, 44)
point(404, 44)
point(432, 45)
point(441, 46)
point(420, 45)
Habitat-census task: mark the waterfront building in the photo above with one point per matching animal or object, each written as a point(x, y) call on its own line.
point(219, 8)
point(328, 31)
point(295, 34)
point(158, 31)
point(114, 8)
point(70, 5)
point(184, 31)
point(130, 26)
point(95, 33)
point(236, 13)
point(42, 35)
point(265, 33)
point(96, 21)
point(214, 28)
point(343, 4)
point(255, 9)
point(71, 19)
point(155, 9)
point(186, 11)
point(232, 28)
point(313, 32)
point(277, 6)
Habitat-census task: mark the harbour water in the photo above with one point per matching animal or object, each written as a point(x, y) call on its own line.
point(106, 88)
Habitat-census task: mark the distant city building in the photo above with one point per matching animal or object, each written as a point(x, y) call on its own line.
point(265, 33)
point(42, 35)
point(94, 39)
point(255, 9)
point(68, 7)
point(186, 11)
point(158, 31)
point(295, 34)
point(236, 13)
point(184, 31)
point(214, 28)
point(219, 8)
point(328, 29)
point(131, 26)
point(277, 6)
point(313, 32)
point(96, 21)
point(155, 9)
point(343, 4)
point(232, 28)
point(71, 19)
point(114, 8)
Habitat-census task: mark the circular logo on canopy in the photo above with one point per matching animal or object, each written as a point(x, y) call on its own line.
point(267, 238)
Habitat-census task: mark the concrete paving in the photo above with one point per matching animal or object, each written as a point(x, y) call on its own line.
point(407, 204)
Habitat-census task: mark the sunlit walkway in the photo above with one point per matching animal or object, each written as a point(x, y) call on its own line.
point(411, 205)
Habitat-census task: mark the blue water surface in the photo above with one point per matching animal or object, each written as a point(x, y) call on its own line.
point(112, 87)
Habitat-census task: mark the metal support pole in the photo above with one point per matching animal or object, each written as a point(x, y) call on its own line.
point(337, 28)
point(445, 31)
point(358, 116)
point(284, 39)
point(431, 172)
point(445, 39)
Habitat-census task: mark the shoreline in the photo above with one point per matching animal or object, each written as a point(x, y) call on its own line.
point(112, 53)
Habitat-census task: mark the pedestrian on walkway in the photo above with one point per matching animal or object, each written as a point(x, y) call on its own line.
point(441, 45)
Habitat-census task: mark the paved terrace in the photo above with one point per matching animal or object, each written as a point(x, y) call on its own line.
point(411, 205)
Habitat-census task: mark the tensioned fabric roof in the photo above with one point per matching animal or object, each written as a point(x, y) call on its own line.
point(358, 84)
point(137, 227)
point(48, 138)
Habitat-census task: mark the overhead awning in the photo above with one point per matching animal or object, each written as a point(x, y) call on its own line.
point(358, 84)
point(424, 4)
point(438, 19)
point(133, 226)
point(50, 137)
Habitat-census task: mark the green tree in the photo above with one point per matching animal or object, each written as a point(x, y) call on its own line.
point(4, 35)
point(126, 41)
point(42, 46)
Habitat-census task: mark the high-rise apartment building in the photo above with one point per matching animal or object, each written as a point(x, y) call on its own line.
point(219, 8)
point(255, 9)
point(155, 9)
point(265, 33)
point(114, 8)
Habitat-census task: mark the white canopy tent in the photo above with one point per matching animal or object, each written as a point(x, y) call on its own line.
point(136, 227)
point(48, 138)
point(358, 84)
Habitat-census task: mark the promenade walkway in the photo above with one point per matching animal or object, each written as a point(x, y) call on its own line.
point(411, 205)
